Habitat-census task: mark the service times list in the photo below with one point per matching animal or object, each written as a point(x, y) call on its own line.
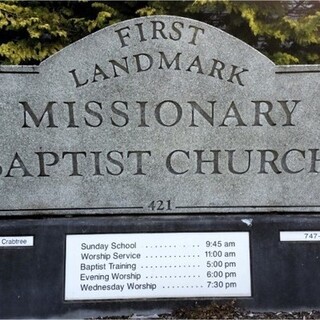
point(157, 265)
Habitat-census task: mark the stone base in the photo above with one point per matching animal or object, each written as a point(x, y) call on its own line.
point(284, 274)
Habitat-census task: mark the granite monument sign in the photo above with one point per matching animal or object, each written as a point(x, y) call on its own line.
point(136, 164)
point(159, 114)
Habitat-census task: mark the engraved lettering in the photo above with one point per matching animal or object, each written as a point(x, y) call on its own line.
point(176, 30)
point(259, 112)
point(116, 162)
point(168, 64)
point(28, 111)
point(233, 113)
point(74, 161)
point(139, 157)
point(271, 161)
point(93, 113)
point(20, 165)
point(122, 36)
point(158, 27)
point(43, 164)
point(236, 74)
point(147, 62)
point(195, 33)
point(284, 105)
point(120, 113)
point(76, 80)
point(168, 103)
point(203, 113)
point(214, 161)
point(169, 162)
point(284, 162)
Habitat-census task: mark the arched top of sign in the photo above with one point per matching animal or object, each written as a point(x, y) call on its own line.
point(158, 45)
point(156, 32)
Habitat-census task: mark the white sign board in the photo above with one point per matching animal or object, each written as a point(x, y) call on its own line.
point(300, 235)
point(19, 241)
point(157, 265)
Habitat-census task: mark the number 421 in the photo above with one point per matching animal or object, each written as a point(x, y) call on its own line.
point(160, 205)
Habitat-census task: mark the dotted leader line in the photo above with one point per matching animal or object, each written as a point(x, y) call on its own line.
point(171, 277)
point(181, 287)
point(178, 266)
point(173, 246)
point(185, 256)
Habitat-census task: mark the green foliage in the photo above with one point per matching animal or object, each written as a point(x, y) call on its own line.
point(25, 28)
point(32, 31)
point(287, 31)
point(285, 58)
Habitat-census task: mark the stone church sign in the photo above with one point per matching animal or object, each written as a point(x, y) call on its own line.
point(123, 159)
point(159, 114)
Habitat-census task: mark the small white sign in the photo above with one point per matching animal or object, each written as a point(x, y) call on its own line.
point(157, 265)
point(19, 241)
point(300, 236)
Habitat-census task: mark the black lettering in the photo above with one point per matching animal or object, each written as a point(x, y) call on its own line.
point(36, 121)
point(284, 163)
point(139, 160)
point(147, 66)
point(142, 105)
point(168, 64)
point(115, 162)
point(259, 112)
point(314, 160)
point(43, 164)
point(96, 156)
point(195, 33)
point(200, 161)
point(117, 64)
point(20, 166)
point(217, 66)
point(271, 162)
point(123, 36)
point(196, 63)
point(120, 113)
point(231, 162)
point(159, 30)
point(93, 113)
point(74, 157)
point(169, 164)
point(72, 123)
point(288, 113)
point(235, 115)
point(99, 72)
point(142, 38)
point(176, 30)
point(203, 113)
point(158, 113)
point(237, 75)
point(75, 78)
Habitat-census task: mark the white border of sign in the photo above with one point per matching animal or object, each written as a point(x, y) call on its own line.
point(18, 241)
point(157, 265)
point(301, 236)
